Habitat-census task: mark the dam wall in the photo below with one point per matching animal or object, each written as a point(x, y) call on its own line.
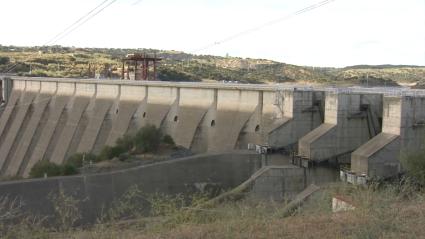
point(48, 118)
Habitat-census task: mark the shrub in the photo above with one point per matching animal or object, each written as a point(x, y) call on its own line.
point(105, 154)
point(4, 60)
point(414, 164)
point(147, 139)
point(126, 142)
point(167, 139)
point(69, 169)
point(109, 152)
point(117, 151)
point(77, 159)
point(45, 167)
point(124, 156)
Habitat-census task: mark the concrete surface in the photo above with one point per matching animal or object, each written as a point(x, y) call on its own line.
point(96, 192)
point(346, 126)
point(302, 112)
point(279, 183)
point(86, 114)
point(403, 133)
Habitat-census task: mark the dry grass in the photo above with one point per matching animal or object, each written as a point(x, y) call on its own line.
point(382, 211)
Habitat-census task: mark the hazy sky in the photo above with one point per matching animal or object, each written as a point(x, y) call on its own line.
point(343, 32)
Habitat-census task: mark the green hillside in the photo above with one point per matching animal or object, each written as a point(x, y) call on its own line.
point(57, 61)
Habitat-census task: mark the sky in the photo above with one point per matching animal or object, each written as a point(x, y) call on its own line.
point(340, 33)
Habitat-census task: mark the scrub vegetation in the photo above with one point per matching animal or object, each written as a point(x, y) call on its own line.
point(147, 139)
point(57, 61)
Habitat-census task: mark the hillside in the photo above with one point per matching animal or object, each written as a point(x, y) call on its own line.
point(57, 61)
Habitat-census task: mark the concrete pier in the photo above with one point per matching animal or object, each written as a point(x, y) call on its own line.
point(302, 111)
point(351, 119)
point(403, 132)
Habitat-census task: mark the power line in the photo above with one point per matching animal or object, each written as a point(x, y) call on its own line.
point(76, 22)
point(266, 24)
point(83, 22)
point(74, 26)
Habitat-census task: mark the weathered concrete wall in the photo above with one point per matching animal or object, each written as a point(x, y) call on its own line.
point(234, 109)
point(97, 191)
point(54, 118)
point(403, 132)
point(347, 125)
point(302, 112)
point(105, 97)
point(75, 124)
point(21, 155)
point(131, 97)
point(192, 107)
point(279, 183)
point(19, 124)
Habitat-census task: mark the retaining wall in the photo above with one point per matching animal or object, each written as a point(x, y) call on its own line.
point(97, 191)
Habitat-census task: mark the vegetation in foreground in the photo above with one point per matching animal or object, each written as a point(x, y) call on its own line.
point(382, 211)
point(393, 209)
point(57, 61)
point(147, 139)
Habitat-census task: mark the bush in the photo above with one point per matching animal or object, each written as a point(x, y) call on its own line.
point(51, 169)
point(147, 139)
point(126, 142)
point(117, 151)
point(45, 167)
point(414, 164)
point(4, 60)
point(104, 154)
point(167, 139)
point(109, 152)
point(77, 159)
point(69, 169)
point(124, 157)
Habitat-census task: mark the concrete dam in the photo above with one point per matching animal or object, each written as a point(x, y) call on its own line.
point(48, 118)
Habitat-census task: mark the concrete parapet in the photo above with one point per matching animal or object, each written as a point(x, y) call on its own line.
point(349, 118)
point(132, 93)
point(403, 131)
point(107, 91)
point(48, 88)
point(19, 85)
point(65, 88)
point(85, 90)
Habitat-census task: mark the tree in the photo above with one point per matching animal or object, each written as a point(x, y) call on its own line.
point(147, 139)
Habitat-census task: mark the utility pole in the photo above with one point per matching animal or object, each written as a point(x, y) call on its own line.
point(367, 79)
